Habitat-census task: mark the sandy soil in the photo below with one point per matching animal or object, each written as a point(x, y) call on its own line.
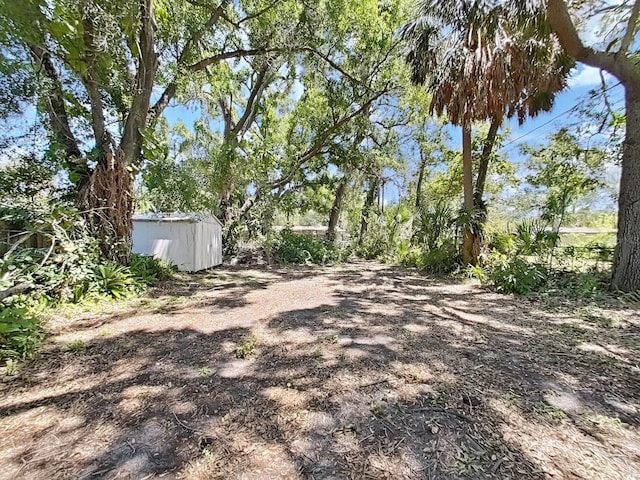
point(356, 371)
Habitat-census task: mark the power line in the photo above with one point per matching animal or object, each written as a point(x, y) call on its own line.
point(570, 110)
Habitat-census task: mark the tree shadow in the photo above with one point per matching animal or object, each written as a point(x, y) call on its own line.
point(420, 378)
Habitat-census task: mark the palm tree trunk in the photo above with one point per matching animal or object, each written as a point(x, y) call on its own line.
point(468, 238)
point(421, 168)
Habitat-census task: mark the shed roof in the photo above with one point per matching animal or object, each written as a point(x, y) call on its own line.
point(188, 217)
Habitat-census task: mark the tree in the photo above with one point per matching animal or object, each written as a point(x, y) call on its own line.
point(480, 65)
point(99, 63)
point(619, 57)
point(565, 172)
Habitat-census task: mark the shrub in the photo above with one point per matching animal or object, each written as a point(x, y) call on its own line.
point(149, 270)
point(114, 280)
point(516, 275)
point(532, 238)
point(290, 248)
point(20, 332)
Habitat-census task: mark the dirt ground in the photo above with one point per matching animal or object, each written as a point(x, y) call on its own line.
point(356, 371)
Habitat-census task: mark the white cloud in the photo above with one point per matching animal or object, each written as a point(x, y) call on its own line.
point(587, 77)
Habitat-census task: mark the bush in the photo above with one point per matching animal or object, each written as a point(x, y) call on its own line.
point(437, 260)
point(516, 275)
point(149, 270)
point(20, 332)
point(291, 248)
point(114, 280)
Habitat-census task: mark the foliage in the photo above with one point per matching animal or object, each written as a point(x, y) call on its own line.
point(516, 275)
point(291, 248)
point(148, 270)
point(246, 348)
point(112, 279)
point(20, 332)
point(564, 172)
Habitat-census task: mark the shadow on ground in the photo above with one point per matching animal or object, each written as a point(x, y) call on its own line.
point(356, 371)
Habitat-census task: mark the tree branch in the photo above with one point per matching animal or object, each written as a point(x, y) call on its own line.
point(55, 104)
point(251, 108)
point(630, 32)
point(251, 16)
point(170, 90)
point(102, 136)
point(204, 63)
point(131, 142)
point(15, 290)
point(565, 30)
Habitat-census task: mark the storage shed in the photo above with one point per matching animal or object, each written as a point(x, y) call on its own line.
point(191, 241)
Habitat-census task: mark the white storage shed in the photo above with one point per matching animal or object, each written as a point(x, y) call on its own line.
point(191, 241)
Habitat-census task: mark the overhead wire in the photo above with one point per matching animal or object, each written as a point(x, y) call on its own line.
point(560, 115)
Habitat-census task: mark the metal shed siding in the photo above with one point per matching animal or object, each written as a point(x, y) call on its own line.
point(191, 244)
point(208, 251)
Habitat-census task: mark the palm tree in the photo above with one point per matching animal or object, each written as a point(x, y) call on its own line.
point(480, 64)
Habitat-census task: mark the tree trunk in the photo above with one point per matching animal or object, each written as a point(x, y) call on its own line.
point(366, 208)
point(107, 201)
point(421, 168)
point(483, 166)
point(334, 216)
point(468, 238)
point(626, 262)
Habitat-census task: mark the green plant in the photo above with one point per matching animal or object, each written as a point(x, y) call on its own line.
point(246, 348)
point(149, 270)
point(516, 275)
point(20, 332)
point(76, 346)
point(533, 238)
point(114, 280)
point(291, 248)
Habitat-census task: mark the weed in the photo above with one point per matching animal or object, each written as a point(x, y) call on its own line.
point(377, 409)
point(76, 346)
point(204, 372)
point(246, 348)
point(20, 332)
point(549, 411)
point(317, 353)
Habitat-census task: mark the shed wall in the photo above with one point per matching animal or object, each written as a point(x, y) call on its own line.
point(191, 246)
point(208, 245)
point(174, 242)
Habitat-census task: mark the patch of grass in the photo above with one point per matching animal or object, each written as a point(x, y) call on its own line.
point(76, 346)
point(204, 372)
point(246, 348)
point(595, 315)
point(549, 411)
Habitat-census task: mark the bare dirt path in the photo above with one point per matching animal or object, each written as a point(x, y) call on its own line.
point(355, 371)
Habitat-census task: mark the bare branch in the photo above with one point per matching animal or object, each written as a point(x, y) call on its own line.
point(251, 16)
point(632, 25)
